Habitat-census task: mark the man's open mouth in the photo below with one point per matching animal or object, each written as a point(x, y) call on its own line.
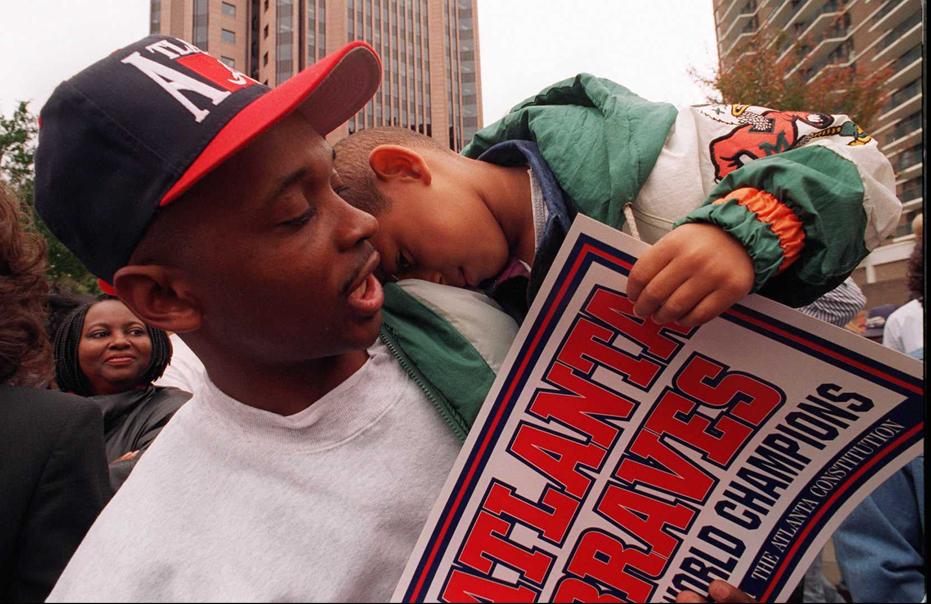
point(365, 294)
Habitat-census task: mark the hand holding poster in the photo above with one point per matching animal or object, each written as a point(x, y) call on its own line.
point(619, 460)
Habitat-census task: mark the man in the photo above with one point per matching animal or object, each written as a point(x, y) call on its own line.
point(305, 466)
point(207, 201)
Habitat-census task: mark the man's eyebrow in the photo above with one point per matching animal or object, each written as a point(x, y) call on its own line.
point(285, 183)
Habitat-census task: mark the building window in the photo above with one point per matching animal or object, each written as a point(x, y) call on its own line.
point(155, 16)
point(265, 31)
point(321, 29)
point(284, 31)
point(350, 21)
point(229, 62)
point(265, 59)
point(266, 8)
point(228, 9)
point(228, 37)
point(200, 24)
point(311, 31)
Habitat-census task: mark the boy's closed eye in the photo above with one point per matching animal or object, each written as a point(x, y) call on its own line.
point(403, 263)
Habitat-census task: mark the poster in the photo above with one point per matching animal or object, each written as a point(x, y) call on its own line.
point(618, 460)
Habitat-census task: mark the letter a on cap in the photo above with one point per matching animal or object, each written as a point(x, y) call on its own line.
point(175, 82)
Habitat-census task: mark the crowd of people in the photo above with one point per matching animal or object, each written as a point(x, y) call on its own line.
point(294, 446)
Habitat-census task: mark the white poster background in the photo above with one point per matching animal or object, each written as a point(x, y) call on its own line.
point(796, 373)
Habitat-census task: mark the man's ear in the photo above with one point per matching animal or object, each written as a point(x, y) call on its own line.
point(158, 297)
point(394, 162)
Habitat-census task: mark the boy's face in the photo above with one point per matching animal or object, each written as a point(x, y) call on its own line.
point(280, 265)
point(441, 232)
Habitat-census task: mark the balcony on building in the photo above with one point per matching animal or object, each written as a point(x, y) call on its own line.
point(736, 7)
point(890, 14)
point(779, 16)
point(904, 69)
point(903, 101)
point(905, 35)
point(834, 47)
point(742, 28)
point(908, 163)
point(911, 192)
point(830, 24)
point(902, 134)
point(810, 9)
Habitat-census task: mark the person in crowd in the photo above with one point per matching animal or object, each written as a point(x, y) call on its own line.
point(904, 329)
point(53, 472)
point(874, 327)
point(839, 306)
point(106, 353)
point(882, 546)
point(60, 303)
point(270, 483)
point(858, 323)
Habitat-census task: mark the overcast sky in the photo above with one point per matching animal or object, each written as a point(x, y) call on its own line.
point(525, 45)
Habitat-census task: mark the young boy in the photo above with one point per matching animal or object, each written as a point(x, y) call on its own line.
point(791, 224)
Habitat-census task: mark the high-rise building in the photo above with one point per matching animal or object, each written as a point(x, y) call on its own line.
point(815, 36)
point(429, 49)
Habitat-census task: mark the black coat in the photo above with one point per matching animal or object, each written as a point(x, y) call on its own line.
point(132, 420)
point(53, 483)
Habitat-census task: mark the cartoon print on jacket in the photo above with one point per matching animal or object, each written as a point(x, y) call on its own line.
point(759, 135)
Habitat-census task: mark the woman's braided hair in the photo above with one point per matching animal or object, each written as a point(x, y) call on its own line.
point(68, 372)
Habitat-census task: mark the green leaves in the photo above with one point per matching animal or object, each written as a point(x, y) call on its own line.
point(17, 158)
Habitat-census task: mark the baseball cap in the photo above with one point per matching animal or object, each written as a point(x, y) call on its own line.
point(134, 131)
point(876, 320)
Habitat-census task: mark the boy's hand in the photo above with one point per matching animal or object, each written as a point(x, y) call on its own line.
point(693, 273)
point(719, 592)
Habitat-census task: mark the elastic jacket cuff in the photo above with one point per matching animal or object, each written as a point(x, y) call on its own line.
point(770, 232)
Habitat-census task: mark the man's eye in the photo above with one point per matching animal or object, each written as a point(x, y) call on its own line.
point(300, 220)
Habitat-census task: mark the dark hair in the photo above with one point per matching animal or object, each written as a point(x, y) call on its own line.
point(60, 303)
point(352, 163)
point(915, 277)
point(25, 353)
point(68, 372)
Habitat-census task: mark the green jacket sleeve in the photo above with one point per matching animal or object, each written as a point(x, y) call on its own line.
point(824, 191)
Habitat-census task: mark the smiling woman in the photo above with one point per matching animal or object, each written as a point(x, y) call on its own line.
point(104, 352)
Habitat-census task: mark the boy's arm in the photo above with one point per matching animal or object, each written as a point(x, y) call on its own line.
point(807, 216)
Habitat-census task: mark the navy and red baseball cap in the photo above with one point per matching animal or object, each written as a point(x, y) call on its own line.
point(134, 131)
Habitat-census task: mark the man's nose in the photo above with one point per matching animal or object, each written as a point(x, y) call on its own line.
point(355, 226)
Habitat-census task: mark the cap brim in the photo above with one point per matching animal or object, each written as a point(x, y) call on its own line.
point(327, 93)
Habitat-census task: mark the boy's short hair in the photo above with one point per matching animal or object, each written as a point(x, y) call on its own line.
point(352, 163)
